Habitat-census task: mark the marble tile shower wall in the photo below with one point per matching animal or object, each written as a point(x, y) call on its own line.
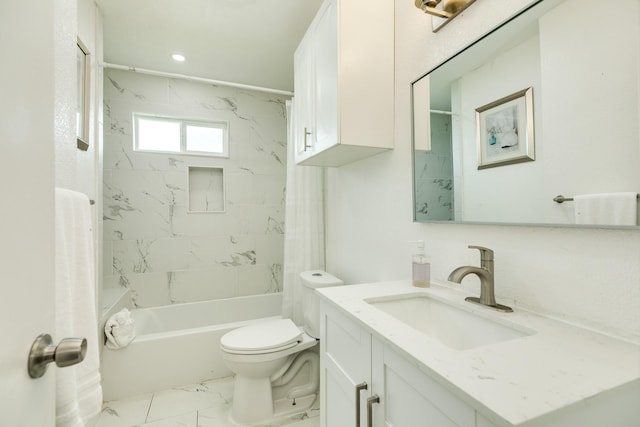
point(434, 174)
point(152, 244)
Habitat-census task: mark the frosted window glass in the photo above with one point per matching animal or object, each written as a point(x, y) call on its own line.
point(156, 135)
point(205, 139)
point(175, 135)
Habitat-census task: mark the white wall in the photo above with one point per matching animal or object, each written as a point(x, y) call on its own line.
point(587, 276)
point(75, 169)
point(511, 72)
point(66, 32)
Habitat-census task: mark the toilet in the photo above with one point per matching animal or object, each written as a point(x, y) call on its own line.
point(271, 353)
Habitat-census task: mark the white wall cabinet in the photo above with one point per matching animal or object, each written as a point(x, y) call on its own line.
point(407, 397)
point(344, 83)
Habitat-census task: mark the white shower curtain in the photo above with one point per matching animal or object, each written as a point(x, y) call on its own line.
point(304, 225)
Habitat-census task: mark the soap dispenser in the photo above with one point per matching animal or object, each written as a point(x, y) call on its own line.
point(421, 267)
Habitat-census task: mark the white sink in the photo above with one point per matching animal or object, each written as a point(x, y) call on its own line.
point(452, 326)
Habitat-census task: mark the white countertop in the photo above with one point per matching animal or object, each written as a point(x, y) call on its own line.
point(513, 381)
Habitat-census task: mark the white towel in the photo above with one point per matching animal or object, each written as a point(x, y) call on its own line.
point(78, 389)
point(606, 208)
point(119, 330)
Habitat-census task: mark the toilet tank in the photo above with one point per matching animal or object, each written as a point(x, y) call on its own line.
point(312, 280)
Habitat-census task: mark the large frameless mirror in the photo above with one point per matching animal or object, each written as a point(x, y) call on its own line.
point(543, 106)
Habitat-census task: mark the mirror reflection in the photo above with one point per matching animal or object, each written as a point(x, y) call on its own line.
point(474, 157)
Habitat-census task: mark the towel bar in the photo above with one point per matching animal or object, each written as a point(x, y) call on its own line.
point(560, 198)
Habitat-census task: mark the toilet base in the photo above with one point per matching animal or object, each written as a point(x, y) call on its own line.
point(285, 407)
point(260, 408)
point(252, 400)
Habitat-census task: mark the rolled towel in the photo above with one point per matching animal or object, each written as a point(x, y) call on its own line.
point(119, 330)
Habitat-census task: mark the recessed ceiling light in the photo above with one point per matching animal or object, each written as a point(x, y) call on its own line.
point(178, 57)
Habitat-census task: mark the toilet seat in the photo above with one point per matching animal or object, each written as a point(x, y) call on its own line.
point(263, 338)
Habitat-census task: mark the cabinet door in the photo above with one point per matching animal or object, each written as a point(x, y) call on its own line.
point(410, 398)
point(481, 421)
point(325, 52)
point(304, 133)
point(345, 362)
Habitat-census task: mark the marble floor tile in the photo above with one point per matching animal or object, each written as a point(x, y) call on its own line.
point(125, 412)
point(205, 404)
point(190, 398)
point(185, 420)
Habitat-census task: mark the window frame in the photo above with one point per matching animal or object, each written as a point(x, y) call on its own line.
point(184, 122)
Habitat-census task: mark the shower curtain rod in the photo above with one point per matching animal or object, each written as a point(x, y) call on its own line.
point(194, 78)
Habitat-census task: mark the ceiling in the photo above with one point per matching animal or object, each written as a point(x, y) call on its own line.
point(241, 41)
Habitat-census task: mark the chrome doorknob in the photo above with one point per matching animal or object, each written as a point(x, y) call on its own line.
point(68, 352)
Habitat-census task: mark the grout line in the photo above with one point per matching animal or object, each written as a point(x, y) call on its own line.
point(146, 417)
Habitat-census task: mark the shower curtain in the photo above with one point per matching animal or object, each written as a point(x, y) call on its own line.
point(304, 225)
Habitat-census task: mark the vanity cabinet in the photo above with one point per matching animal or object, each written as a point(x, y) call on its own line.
point(351, 357)
point(345, 363)
point(344, 83)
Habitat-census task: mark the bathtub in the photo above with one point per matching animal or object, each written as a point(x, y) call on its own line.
point(179, 344)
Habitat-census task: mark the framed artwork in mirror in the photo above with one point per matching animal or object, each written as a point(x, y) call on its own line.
point(505, 130)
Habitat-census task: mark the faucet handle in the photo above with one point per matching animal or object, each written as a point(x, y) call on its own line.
point(486, 254)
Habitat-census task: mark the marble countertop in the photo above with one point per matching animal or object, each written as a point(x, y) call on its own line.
point(511, 382)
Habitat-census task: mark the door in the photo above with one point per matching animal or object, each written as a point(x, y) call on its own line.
point(26, 207)
point(345, 370)
point(325, 53)
point(408, 395)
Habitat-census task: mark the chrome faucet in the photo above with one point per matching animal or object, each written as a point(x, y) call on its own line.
point(485, 273)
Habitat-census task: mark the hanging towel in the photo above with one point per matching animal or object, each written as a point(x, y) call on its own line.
point(119, 330)
point(78, 389)
point(606, 208)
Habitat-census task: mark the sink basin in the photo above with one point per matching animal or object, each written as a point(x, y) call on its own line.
point(452, 326)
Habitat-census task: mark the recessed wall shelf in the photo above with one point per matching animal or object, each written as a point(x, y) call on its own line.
point(206, 189)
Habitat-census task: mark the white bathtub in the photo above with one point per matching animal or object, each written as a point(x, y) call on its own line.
point(179, 344)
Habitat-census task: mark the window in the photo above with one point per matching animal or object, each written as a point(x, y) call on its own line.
point(170, 135)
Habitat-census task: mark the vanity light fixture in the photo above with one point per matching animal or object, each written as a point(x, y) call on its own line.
point(448, 10)
point(177, 57)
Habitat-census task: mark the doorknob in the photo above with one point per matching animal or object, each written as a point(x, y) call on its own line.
point(69, 351)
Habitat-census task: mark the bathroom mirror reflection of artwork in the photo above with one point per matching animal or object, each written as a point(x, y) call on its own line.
point(505, 130)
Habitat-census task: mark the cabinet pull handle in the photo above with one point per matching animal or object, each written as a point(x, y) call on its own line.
point(359, 388)
point(306, 132)
point(370, 401)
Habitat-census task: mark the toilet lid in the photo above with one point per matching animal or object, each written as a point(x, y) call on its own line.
point(263, 337)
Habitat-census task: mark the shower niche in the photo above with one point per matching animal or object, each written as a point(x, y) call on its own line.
point(206, 189)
